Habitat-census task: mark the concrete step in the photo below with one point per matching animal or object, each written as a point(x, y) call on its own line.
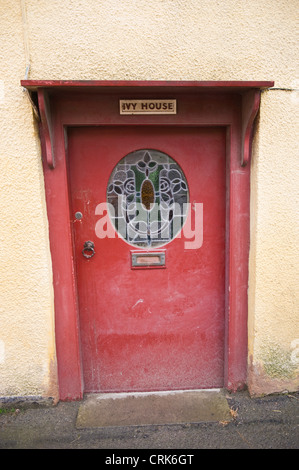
point(148, 408)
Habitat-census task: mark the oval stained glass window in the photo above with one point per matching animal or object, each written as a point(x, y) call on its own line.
point(147, 196)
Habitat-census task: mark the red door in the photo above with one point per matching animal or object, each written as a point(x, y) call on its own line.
point(155, 322)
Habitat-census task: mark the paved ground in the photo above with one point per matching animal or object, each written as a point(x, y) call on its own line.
point(271, 422)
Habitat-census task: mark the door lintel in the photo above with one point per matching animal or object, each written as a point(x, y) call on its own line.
point(250, 91)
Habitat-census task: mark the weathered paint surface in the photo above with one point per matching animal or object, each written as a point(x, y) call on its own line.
point(195, 40)
point(150, 329)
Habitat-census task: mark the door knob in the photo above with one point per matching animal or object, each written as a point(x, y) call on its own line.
point(88, 249)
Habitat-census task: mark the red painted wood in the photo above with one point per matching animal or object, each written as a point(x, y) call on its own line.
point(237, 266)
point(250, 92)
point(71, 108)
point(65, 299)
point(46, 120)
point(150, 329)
point(250, 106)
point(34, 84)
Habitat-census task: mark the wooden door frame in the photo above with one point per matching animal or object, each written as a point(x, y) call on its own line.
point(60, 104)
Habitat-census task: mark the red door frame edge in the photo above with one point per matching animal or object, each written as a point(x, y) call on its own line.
point(55, 118)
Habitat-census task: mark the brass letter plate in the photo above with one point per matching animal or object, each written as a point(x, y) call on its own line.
point(147, 107)
point(147, 259)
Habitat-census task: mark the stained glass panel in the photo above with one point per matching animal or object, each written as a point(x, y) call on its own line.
point(147, 197)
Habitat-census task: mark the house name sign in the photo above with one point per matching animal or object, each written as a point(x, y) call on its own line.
point(147, 106)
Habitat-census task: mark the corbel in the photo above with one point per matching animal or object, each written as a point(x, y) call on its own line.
point(46, 126)
point(250, 106)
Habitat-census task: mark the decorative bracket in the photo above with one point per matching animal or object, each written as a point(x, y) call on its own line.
point(46, 125)
point(250, 106)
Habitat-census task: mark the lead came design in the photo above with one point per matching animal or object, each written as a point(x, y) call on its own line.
point(147, 197)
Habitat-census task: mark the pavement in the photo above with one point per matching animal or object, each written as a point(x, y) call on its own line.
point(270, 422)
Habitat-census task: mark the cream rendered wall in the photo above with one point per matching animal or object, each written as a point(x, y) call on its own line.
point(274, 257)
point(141, 40)
point(27, 348)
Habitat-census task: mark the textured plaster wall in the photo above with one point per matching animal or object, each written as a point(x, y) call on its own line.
point(163, 39)
point(27, 350)
point(141, 40)
point(274, 257)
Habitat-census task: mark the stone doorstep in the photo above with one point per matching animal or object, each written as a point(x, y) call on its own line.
point(153, 408)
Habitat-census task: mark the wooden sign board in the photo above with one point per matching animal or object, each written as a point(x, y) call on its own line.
point(147, 106)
